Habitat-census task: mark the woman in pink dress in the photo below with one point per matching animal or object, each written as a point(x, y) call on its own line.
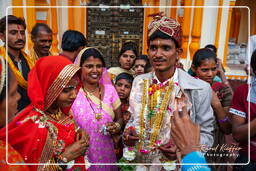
point(97, 110)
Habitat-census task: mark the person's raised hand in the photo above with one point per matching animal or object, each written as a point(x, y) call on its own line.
point(185, 133)
point(215, 101)
point(219, 66)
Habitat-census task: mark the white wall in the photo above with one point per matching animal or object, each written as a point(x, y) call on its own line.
point(210, 15)
point(223, 30)
point(3, 7)
point(62, 14)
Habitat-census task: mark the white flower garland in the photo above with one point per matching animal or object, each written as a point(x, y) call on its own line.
point(129, 153)
point(171, 165)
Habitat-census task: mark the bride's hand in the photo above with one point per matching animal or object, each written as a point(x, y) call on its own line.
point(75, 150)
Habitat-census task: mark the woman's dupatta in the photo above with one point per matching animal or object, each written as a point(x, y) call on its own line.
point(104, 80)
point(30, 133)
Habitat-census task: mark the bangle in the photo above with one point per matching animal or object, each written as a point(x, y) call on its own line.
point(224, 120)
point(62, 159)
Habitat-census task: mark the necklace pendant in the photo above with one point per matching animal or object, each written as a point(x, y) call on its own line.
point(98, 116)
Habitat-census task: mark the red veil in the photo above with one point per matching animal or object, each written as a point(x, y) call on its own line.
point(26, 133)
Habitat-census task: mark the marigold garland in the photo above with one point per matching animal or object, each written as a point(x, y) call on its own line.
point(142, 122)
point(156, 113)
point(21, 81)
point(160, 115)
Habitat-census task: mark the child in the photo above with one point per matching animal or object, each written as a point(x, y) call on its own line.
point(204, 66)
point(141, 65)
point(123, 85)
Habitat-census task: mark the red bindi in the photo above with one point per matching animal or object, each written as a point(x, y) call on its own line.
point(19, 28)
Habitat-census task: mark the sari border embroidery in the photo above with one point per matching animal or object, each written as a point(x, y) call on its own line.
point(116, 104)
point(63, 78)
point(47, 153)
point(52, 143)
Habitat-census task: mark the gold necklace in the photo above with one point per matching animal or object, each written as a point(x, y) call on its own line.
point(56, 116)
point(91, 92)
point(98, 115)
point(159, 117)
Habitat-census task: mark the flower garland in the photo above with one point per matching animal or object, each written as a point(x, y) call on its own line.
point(21, 81)
point(160, 114)
point(129, 154)
point(155, 92)
point(142, 125)
point(155, 100)
point(156, 110)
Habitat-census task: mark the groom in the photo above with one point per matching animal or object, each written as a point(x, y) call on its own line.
point(156, 95)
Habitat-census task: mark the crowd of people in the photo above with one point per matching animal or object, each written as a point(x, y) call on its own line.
point(68, 111)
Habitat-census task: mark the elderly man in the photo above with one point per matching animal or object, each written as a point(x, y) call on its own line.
point(19, 62)
point(156, 95)
point(41, 36)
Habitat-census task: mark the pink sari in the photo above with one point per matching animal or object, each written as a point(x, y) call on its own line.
point(101, 148)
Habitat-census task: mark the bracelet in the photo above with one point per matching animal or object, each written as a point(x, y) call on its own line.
point(224, 120)
point(62, 159)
